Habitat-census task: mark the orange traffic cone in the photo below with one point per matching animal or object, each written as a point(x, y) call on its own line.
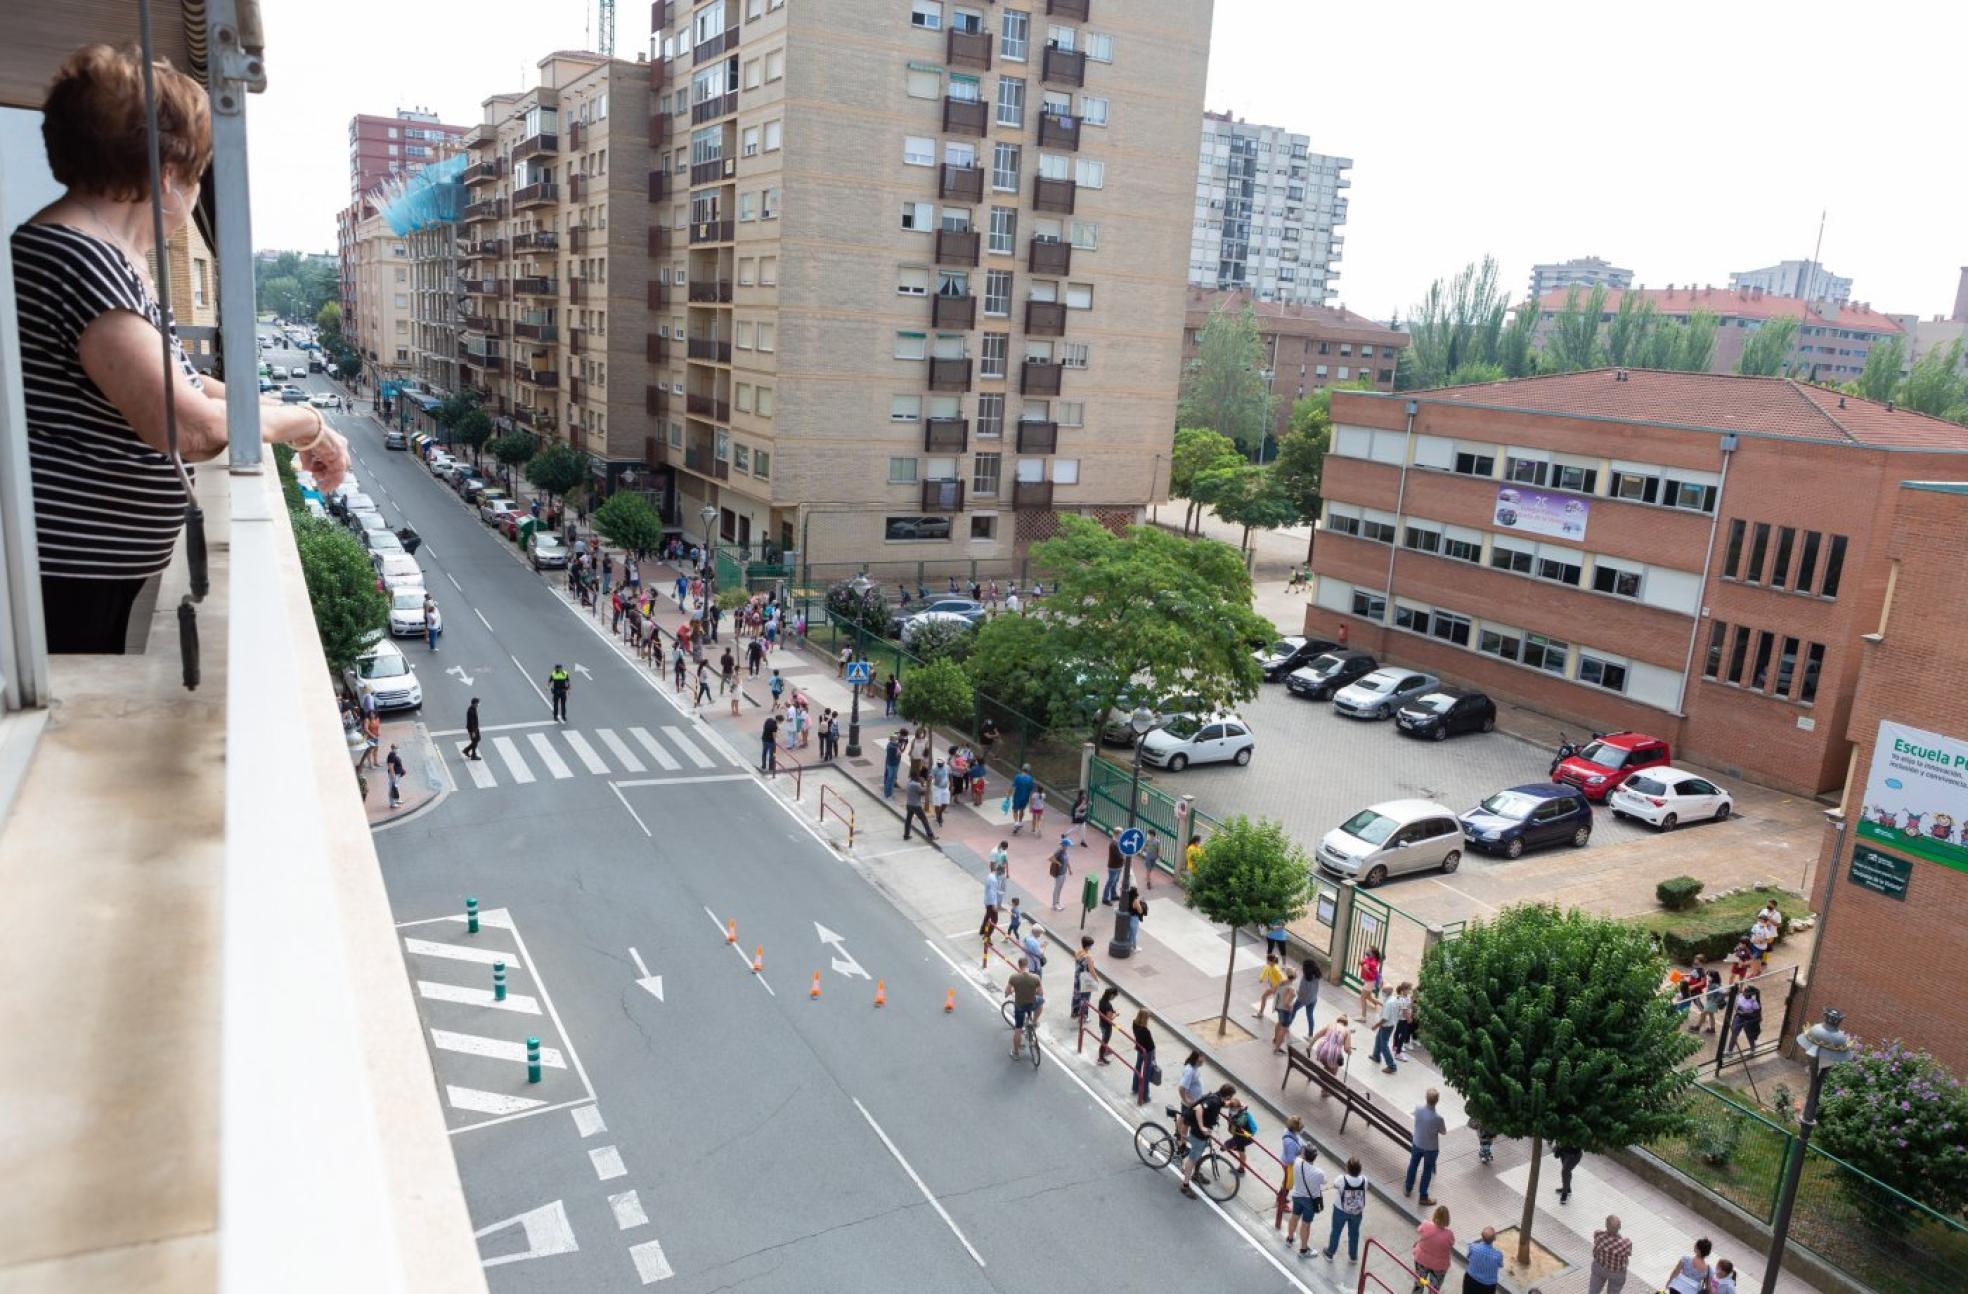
point(949, 1001)
point(881, 992)
point(758, 960)
point(731, 931)
point(816, 986)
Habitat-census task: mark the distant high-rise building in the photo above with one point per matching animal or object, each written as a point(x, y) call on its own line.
point(1806, 280)
point(380, 147)
point(1268, 211)
point(1580, 271)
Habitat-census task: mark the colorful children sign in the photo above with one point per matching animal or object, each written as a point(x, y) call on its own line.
point(1555, 516)
point(1916, 796)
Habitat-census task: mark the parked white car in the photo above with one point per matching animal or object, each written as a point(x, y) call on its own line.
point(382, 543)
point(1387, 839)
point(385, 673)
point(492, 509)
point(1381, 693)
point(400, 570)
point(407, 613)
point(1666, 797)
point(1198, 739)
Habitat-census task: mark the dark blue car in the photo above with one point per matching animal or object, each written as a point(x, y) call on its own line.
point(1529, 817)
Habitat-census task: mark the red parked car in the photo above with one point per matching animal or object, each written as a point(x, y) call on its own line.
point(1607, 761)
point(509, 523)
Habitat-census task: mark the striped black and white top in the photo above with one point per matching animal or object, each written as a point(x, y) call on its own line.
point(106, 505)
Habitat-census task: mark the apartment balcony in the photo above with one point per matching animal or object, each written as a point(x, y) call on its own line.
point(942, 496)
point(577, 188)
point(545, 379)
point(956, 247)
point(490, 247)
point(577, 292)
point(489, 209)
point(1049, 256)
point(716, 45)
point(536, 195)
point(659, 185)
point(1053, 195)
point(953, 311)
point(1031, 494)
point(707, 407)
point(1063, 66)
point(659, 296)
point(711, 109)
point(949, 375)
point(659, 129)
point(535, 287)
point(946, 436)
point(1038, 377)
point(966, 182)
point(714, 171)
point(655, 451)
point(1076, 9)
point(656, 401)
point(488, 363)
point(475, 323)
point(1058, 130)
point(712, 231)
point(540, 332)
point(577, 390)
point(710, 291)
point(1038, 437)
point(1045, 319)
point(482, 172)
point(965, 117)
point(698, 459)
point(659, 240)
point(709, 350)
point(538, 240)
point(574, 131)
point(577, 341)
point(542, 144)
point(481, 287)
point(656, 349)
point(968, 49)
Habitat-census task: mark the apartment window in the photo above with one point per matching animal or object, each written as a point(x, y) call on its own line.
point(741, 334)
point(1079, 296)
point(1834, 567)
point(1718, 634)
point(772, 135)
point(1507, 644)
point(990, 416)
point(924, 83)
point(1559, 568)
point(996, 350)
point(1011, 101)
point(1073, 354)
point(769, 203)
point(747, 272)
point(1071, 413)
point(1807, 692)
point(1055, 166)
point(927, 14)
point(911, 345)
point(768, 270)
point(1369, 605)
point(747, 207)
point(997, 292)
point(1451, 628)
point(985, 472)
point(1506, 556)
point(1467, 462)
point(912, 281)
point(984, 527)
point(1617, 579)
point(1003, 240)
point(749, 146)
point(1093, 110)
point(741, 399)
point(964, 89)
point(1738, 530)
point(1807, 562)
point(1014, 35)
point(904, 408)
point(762, 464)
point(1598, 671)
point(1099, 48)
point(1780, 565)
point(1089, 174)
point(1739, 654)
point(751, 79)
point(1004, 168)
point(901, 471)
point(775, 65)
point(1422, 540)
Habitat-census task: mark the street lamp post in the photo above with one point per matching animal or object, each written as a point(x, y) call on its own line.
point(1826, 1045)
point(1122, 944)
point(860, 586)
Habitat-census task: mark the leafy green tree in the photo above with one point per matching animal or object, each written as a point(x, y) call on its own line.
point(869, 610)
point(934, 640)
point(1197, 449)
point(1249, 496)
point(1474, 372)
point(1881, 376)
point(1767, 352)
point(1681, 347)
point(1551, 1026)
point(329, 318)
point(473, 429)
point(1460, 320)
point(349, 610)
point(1251, 874)
point(556, 470)
point(1224, 387)
point(1572, 342)
point(285, 298)
point(1014, 662)
point(1632, 325)
point(938, 693)
point(1300, 468)
point(1515, 351)
point(1937, 384)
point(290, 488)
point(1898, 1114)
point(513, 450)
point(627, 521)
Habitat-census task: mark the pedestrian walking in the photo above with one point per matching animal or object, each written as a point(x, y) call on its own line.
point(979, 784)
point(395, 766)
point(1021, 796)
point(1610, 1252)
point(891, 765)
point(776, 686)
point(1137, 910)
point(1308, 995)
point(1369, 978)
point(1287, 1005)
point(1724, 1280)
point(1691, 1272)
point(1151, 859)
point(987, 737)
point(842, 661)
point(1146, 1075)
point(433, 621)
point(1276, 939)
point(754, 657)
point(1748, 1022)
point(1037, 809)
point(891, 693)
point(679, 664)
point(939, 789)
point(1568, 1161)
point(1270, 976)
point(1061, 869)
point(1015, 916)
point(1434, 1251)
point(727, 672)
point(1082, 809)
point(1428, 1129)
point(471, 729)
point(1084, 978)
point(703, 684)
point(914, 797)
point(1109, 1016)
point(1390, 1015)
point(1330, 1048)
point(769, 744)
point(558, 685)
point(993, 898)
point(1349, 1206)
point(607, 573)
point(1308, 1191)
point(372, 735)
point(1404, 1029)
point(1484, 1264)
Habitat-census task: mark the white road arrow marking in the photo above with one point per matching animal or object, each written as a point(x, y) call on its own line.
point(582, 670)
point(654, 983)
point(844, 963)
point(458, 672)
point(547, 1230)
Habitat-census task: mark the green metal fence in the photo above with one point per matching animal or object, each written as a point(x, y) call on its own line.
point(1851, 1221)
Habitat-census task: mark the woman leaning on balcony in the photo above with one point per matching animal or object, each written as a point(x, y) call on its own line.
point(108, 498)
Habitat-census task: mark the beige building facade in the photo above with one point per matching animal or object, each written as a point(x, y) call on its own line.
point(383, 301)
point(917, 273)
point(434, 329)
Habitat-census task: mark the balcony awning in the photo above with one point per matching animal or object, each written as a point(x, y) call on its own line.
point(41, 34)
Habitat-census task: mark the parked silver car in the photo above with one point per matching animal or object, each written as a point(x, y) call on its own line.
point(1391, 838)
point(1381, 693)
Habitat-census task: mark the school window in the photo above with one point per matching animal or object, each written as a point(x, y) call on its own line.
point(1547, 654)
point(1422, 540)
point(1600, 672)
point(1505, 557)
point(1011, 102)
point(1579, 480)
point(1451, 628)
point(1014, 35)
point(1506, 644)
point(1759, 677)
point(1739, 654)
point(1718, 634)
point(1780, 564)
point(1463, 550)
point(1380, 532)
point(904, 408)
point(1758, 545)
point(1467, 462)
point(1807, 692)
point(1620, 581)
point(1371, 606)
point(1342, 522)
point(1834, 568)
point(1524, 471)
point(1738, 530)
point(1559, 568)
point(1786, 666)
point(1412, 619)
point(1807, 561)
point(997, 292)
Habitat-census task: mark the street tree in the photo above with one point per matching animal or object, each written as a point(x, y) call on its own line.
point(349, 610)
point(1937, 384)
point(1013, 661)
point(938, 693)
point(627, 522)
point(1249, 496)
point(1515, 351)
point(1251, 874)
point(1572, 343)
point(472, 428)
point(556, 469)
point(284, 297)
point(1880, 377)
point(329, 318)
point(1767, 352)
point(1552, 1027)
point(1627, 334)
point(1459, 320)
point(513, 450)
point(934, 640)
point(1300, 468)
point(1223, 388)
point(1197, 449)
point(1475, 372)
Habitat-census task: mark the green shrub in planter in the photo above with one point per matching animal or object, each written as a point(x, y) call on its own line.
point(1678, 893)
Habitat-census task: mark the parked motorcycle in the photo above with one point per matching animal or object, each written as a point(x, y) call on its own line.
point(1566, 749)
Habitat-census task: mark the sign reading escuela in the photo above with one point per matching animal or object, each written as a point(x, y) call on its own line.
point(1916, 795)
point(1881, 873)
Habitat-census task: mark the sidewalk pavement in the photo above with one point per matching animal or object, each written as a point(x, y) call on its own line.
point(1178, 972)
point(423, 767)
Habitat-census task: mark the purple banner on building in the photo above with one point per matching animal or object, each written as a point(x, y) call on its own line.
point(1556, 516)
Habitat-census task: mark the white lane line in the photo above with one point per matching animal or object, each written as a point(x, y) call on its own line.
point(747, 962)
point(459, 952)
point(934, 1203)
point(496, 727)
point(471, 1044)
point(656, 751)
point(509, 751)
point(587, 1120)
point(438, 992)
point(481, 618)
point(585, 753)
point(481, 1102)
point(546, 1000)
point(549, 756)
point(490, 917)
point(689, 748)
point(688, 781)
point(433, 552)
point(454, 581)
point(607, 1161)
point(631, 808)
point(530, 683)
point(620, 749)
point(651, 1265)
point(481, 776)
point(1263, 1250)
point(628, 1211)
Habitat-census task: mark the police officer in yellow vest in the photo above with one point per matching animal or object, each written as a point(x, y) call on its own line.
point(557, 685)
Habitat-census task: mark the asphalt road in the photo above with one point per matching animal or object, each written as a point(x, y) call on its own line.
point(731, 1130)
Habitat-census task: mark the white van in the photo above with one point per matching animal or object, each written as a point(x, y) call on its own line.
point(385, 673)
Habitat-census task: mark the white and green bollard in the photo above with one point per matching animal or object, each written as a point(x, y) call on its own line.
point(498, 981)
point(532, 1060)
point(471, 916)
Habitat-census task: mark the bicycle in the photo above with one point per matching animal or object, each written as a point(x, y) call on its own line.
point(1158, 1147)
point(1031, 1027)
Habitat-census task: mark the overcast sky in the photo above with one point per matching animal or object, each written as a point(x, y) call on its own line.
point(1682, 140)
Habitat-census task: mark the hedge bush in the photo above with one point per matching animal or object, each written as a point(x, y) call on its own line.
point(1712, 929)
point(1678, 893)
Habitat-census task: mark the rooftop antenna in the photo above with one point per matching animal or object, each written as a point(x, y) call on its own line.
point(605, 27)
point(1811, 268)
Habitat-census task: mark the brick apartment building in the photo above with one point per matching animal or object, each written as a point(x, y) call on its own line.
point(378, 148)
point(1306, 348)
point(1833, 337)
point(1885, 887)
point(1691, 555)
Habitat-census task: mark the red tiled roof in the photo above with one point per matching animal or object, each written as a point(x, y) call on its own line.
point(1734, 303)
point(1723, 402)
point(1331, 320)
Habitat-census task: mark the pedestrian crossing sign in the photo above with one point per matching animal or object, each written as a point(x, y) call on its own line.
point(860, 672)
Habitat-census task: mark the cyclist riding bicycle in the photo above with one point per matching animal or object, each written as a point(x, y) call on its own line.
point(1197, 1120)
point(1023, 989)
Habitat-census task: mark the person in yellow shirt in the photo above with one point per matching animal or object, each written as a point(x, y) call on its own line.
point(1270, 977)
point(1194, 856)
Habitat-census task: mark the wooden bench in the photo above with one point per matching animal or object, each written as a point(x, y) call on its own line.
point(1355, 1100)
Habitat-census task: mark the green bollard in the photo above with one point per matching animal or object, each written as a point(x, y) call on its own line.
point(471, 916)
point(498, 981)
point(532, 1060)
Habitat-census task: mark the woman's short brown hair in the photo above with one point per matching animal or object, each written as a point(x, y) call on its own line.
point(93, 124)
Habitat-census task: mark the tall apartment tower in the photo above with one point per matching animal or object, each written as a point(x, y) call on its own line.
point(913, 286)
point(1808, 280)
point(1579, 272)
point(1268, 212)
point(553, 248)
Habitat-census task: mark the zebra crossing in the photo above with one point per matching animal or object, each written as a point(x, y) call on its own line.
point(554, 754)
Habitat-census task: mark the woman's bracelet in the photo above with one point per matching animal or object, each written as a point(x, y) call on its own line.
point(320, 433)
